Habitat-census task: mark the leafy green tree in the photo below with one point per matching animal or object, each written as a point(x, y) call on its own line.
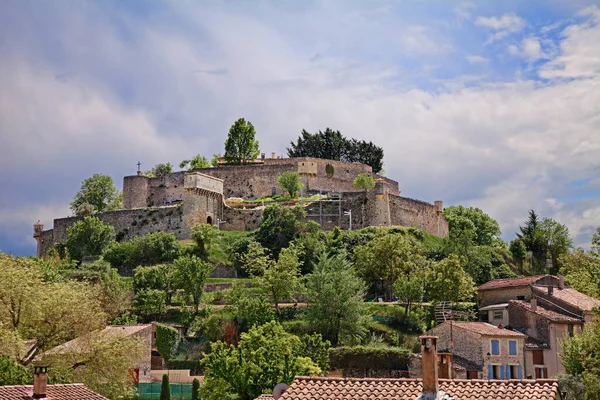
point(335, 300)
point(166, 340)
point(314, 347)
point(448, 281)
point(99, 191)
point(241, 145)
point(485, 263)
point(159, 277)
point(88, 237)
point(332, 145)
point(249, 310)
point(410, 288)
point(150, 302)
point(290, 182)
point(165, 388)
point(582, 271)
point(311, 244)
point(85, 210)
point(205, 235)
point(279, 226)
point(558, 241)
point(532, 236)
point(198, 162)
point(20, 278)
point(364, 182)
point(266, 356)
point(191, 274)
point(214, 162)
point(153, 248)
point(483, 230)
point(114, 293)
point(385, 258)
point(279, 279)
point(519, 252)
point(581, 358)
point(12, 373)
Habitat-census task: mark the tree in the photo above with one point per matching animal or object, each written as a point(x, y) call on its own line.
point(249, 310)
point(410, 288)
point(280, 225)
point(241, 145)
point(519, 252)
point(166, 340)
point(165, 389)
point(385, 258)
point(159, 277)
point(314, 347)
point(279, 279)
point(265, 357)
point(159, 170)
point(484, 229)
point(19, 280)
point(205, 235)
point(114, 293)
point(448, 281)
point(532, 236)
point(332, 145)
point(12, 373)
point(214, 162)
point(198, 162)
point(364, 182)
point(335, 300)
point(191, 274)
point(557, 239)
point(88, 237)
point(195, 389)
point(150, 302)
point(582, 271)
point(581, 358)
point(101, 361)
point(290, 182)
point(151, 249)
point(99, 191)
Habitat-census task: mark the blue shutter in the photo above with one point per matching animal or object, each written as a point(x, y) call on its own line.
point(502, 372)
point(508, 372)
point(495, 347)
point(490, 372)
point(520, 372)
point(512, 347)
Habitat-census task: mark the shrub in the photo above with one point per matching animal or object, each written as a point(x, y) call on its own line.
point(150, 302)
point(166, 340)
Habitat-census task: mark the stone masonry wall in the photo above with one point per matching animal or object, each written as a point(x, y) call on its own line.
point(419, 214)
point(503, 295)
point(529, 323)
point(131, 223)
point(467, 344)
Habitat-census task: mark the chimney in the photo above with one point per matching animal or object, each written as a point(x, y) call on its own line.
point(40, 377)
point(550, 290)
point(445, 365)
point(272, 155)
point(561, 282)
point(439, 206)
point(262, 156)
point(533, 303)
point(430, 366)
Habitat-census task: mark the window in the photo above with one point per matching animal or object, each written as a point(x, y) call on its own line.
point(498, 314)
point(520, 297)
point(512, 347)
point(513, 371)
point(570, 327)
point(495, 347)
point(538, 357)
point(472, 375)
point(541, 373)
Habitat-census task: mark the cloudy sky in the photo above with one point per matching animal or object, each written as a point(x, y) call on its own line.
point(490, 104)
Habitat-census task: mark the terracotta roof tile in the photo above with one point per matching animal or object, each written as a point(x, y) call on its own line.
point(513, 282)
point(572, 297)
point(482, 328)
point(75, 391)
point(313, 388)
point(544, 312)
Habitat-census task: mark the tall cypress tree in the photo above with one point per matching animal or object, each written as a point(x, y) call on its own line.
point(196, 389)
point(165, 390)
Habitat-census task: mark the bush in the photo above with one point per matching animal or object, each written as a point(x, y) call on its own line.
point(150, 249)
point(166, 340)
point(192, 365)
point(150, 302)
point(366, 357)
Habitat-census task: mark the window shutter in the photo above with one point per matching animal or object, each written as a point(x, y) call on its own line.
point(495, 347)
point(502, 372)
point(520, 372)
point(490, 372)
point(512, 347)
point(508, 372)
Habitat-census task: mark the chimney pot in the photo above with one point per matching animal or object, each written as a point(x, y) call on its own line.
point(40, 379)
point(533, 303)
point(561, 282)
point(430, 364)
point(550, 290)
point(272, 155)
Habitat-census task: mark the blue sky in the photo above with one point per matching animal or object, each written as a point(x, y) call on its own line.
point(490, 104)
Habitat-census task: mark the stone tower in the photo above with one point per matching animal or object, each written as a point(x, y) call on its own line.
point(38, 228)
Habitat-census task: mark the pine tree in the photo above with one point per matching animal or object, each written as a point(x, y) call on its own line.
point(165, 390)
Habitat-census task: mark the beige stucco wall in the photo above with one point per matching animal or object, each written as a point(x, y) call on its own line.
point(498, 296)
point(503, 358)
point(496, 322)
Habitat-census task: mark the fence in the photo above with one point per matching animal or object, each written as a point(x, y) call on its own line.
point(150, 391)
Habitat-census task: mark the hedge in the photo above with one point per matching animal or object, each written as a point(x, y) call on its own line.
point(193, 365)
point(365, 357)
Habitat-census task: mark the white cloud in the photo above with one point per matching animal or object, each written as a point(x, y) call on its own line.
point(475, 59)
point(532, 48)
point(502, 26)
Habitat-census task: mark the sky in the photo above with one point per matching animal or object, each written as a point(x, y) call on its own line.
point(491, 104)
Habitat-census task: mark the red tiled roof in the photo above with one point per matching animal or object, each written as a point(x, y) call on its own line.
point(482, 328)
point(313, 388)
point(544, 312)
point(571, 296)
point(513, 282)
point(75, 391)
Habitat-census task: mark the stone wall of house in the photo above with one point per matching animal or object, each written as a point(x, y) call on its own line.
point(415, 368)
point(503, 358)
point(467, 344)
point(503, 295)
point(145, 362)
point(529, 323)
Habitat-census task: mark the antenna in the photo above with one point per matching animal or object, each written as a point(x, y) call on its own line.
point(278, 390)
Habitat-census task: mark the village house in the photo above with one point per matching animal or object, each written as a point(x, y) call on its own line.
point(491, 352)
point(428, 388)
point(547, 328)
point(41, 390)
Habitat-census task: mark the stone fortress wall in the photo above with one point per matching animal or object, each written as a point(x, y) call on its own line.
point(177, 201)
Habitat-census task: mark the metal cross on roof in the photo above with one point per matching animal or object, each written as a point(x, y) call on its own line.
point(139, 165)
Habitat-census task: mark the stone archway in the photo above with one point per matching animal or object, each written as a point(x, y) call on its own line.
point(209, 220)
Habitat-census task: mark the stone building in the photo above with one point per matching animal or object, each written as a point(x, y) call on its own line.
point(177, 201)
point(500, 291)
point(492, 352)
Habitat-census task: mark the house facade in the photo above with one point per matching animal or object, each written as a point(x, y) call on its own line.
point(492, 352)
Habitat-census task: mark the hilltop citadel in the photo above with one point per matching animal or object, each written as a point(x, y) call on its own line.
point(177, 201)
